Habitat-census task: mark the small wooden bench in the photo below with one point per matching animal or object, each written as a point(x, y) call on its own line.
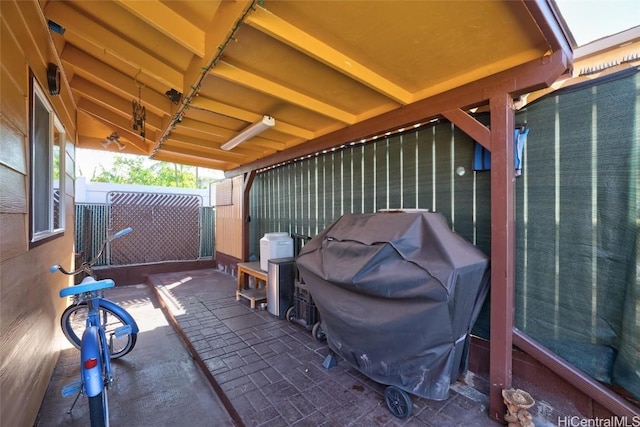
point(246, 269)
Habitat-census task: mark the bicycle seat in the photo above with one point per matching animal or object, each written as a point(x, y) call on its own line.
point(87, 287)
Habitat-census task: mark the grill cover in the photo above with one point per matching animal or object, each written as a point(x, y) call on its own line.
point(398, 294)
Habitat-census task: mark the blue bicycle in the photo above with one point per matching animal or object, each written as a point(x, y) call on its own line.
point(102, 331)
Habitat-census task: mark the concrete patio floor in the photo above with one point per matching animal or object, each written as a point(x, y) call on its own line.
point(157, 384)
point(260, 370)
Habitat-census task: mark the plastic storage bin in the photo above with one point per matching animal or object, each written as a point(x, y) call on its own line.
point(275, 245)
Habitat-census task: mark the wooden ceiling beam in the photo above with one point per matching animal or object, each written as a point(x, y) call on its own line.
point(265, 144)
point(194, 142)
point(228, 15)
point(175, 147)
point(113, 44)
point(220, 134)
point(255, 82)
point(208, 104)
point(202, 162)
point(533, 75)
point(92, 143)
point(469, 125)
point(114, 80)
point(287, 33)
point(224, 135)
point(549, 22)
point(165, 20)
point(111, 119)
point(110, 100)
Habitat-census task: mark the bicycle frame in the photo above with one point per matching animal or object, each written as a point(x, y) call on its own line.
point(95, 366)
point(95, 348)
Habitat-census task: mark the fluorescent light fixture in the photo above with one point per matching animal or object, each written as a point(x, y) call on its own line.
point(250, 132)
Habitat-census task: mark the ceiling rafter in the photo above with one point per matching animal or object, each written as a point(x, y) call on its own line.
point(225, 17)
point(289, 34)
point(110, 100)
point(473, 94)
point(163, 19)
point(114, 79)
point(228, 16)
point(90, 142)
point(222, 134)
point(111, 119)
point(238, 153)
point(343, 66)
point(245, 78)
point(192, 160)
point(176, 147)
point(113, 44)
point(215, 132)
point(269, 145)
point(208, 104)
point(192, 137)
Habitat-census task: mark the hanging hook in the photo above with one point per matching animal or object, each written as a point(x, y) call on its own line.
point(135, 79)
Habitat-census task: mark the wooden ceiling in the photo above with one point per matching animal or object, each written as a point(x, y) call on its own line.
point(316, 67)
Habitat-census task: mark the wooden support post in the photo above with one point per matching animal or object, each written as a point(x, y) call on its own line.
point(502, 249)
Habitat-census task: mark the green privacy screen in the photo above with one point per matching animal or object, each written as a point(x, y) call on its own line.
point(577, 287)
point(577, 232)
point(413, 170)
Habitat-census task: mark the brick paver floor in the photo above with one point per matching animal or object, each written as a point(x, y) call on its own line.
point(271, 370)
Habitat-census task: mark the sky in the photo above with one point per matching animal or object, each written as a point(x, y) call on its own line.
point(588, 20)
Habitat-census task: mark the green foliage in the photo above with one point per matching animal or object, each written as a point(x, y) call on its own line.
point(141, 171)
point(56, 162)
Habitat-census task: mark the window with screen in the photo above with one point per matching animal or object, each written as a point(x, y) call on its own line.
point(47, 138)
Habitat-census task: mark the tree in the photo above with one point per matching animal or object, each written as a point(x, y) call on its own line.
point(137, 170)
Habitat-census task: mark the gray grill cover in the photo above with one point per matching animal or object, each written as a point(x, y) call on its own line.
point(398, 294)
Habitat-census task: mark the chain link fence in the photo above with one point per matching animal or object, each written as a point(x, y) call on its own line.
point(166, 227)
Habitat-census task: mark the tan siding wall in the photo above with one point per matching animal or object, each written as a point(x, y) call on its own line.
point(229, 223)
point(12, 144)
point(13, 198)
point(30, 336)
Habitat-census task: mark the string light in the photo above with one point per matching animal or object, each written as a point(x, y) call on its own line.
point(348, 145)
point(205, 70)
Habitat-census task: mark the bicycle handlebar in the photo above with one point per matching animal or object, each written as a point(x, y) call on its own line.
point(86, 266)
point(122, 233)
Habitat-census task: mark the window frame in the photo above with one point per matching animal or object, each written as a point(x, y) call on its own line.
point(45, 224)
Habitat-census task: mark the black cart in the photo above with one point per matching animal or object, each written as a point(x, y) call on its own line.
point(304, 312)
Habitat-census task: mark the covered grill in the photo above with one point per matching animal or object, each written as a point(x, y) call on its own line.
point(398, 294)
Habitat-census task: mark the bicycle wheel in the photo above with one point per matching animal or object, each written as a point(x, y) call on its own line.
point(98, 412)
point(74, 322)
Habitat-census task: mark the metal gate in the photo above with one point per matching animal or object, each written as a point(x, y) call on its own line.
point(166, 227)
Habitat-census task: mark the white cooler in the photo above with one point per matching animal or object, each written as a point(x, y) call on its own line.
point(275, 245)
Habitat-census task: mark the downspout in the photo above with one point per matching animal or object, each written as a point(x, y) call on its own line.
point(247, 183)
